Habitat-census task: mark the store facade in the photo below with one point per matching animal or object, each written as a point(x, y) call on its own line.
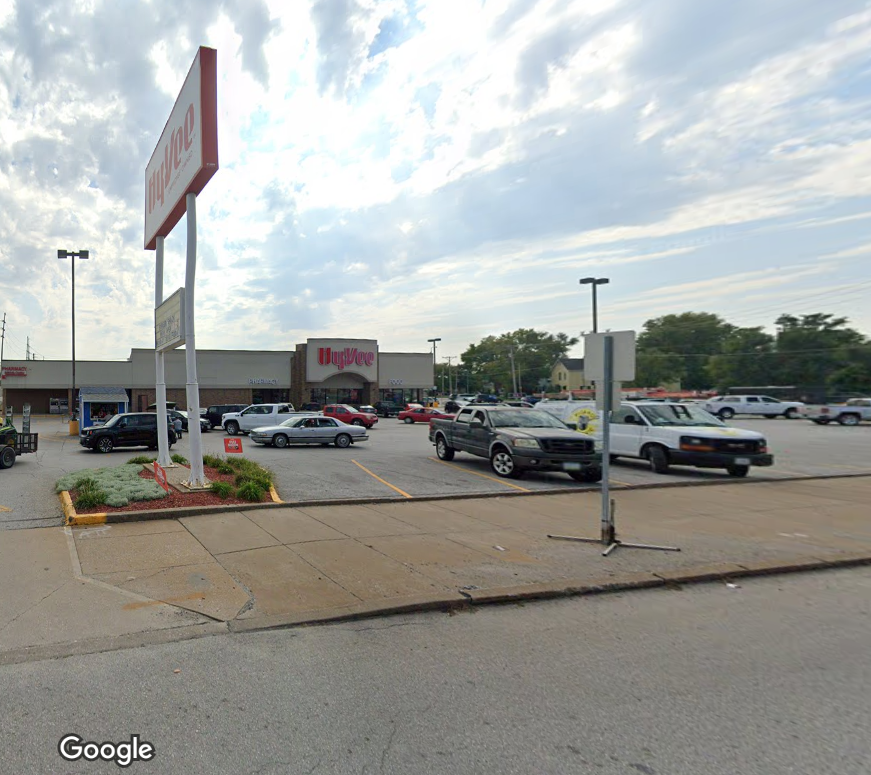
point(320, 371)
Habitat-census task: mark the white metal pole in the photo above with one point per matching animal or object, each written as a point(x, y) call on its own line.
point(198, 477)
point(163, 457)
point(607, 385)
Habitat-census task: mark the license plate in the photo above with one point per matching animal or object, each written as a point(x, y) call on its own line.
point(571, 466)
point(742, 461)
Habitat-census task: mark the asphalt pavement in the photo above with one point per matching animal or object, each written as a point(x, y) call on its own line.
point(767, 677)
point(399, 462)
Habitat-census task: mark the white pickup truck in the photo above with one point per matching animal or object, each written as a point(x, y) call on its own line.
point(851, 412)
point(726, 407)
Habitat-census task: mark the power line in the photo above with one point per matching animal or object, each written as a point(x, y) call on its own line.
point(763, 354)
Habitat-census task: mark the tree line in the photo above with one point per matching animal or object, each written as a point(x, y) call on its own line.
point(697, 350)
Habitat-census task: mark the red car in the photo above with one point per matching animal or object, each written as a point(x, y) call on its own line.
point(423, 414)
point(349, 415)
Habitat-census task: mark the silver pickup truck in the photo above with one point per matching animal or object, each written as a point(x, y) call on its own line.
point(851, 412)
point(517, 440)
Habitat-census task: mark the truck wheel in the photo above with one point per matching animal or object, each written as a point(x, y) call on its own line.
point(7, 457)
point(848, 419)
point(503, 465)
point(443, 451)
point(587, 475)
point(105, 444)
point(739, 471)
point(726, 413)
point(232, 427)
point(658, 459)
point(358, 421)
point(791, 413)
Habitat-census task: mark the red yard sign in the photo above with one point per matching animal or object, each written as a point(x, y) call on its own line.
point(232, 445)
point(160, 476)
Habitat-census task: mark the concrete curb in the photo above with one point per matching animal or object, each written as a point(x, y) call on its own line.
point(551, 590)
point(191, 511)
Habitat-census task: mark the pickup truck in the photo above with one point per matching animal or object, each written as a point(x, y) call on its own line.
point(256, 416)
point(726, 407)
point(516, 441)
point(13, 443)
point(852, 412)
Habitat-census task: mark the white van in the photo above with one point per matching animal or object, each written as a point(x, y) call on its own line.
point(670, 433)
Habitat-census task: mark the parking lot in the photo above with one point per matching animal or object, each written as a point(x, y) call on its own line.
point(398, 462)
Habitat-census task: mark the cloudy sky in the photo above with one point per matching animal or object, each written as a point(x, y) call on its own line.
point(405, 169)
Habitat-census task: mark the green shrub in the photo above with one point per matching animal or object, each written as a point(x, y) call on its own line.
point(212, 461)
point(222, 489)
point(257, 479)
point(119, 483)
point(89, 496)
point(250, 491)
point(116, 500)
point(140, 460)
point(179, 459)
point(225, 468)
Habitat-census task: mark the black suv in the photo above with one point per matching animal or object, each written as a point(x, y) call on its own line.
point(132, 429)
point(388, 408)
point(216, 412)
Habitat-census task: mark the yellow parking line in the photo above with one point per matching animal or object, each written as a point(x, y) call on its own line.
point(375, 476)
point(5, 508)
point(483, 476)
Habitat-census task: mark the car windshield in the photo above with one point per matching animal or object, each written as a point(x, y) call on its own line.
point(293, 422)
point(679, 414)
point(113, 421)
point(525, 419)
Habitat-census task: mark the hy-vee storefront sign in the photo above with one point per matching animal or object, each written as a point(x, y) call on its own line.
point(327, 357)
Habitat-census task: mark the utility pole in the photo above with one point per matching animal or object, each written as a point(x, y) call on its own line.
point(27, 352)
point(449, 358)
point(513, 375)
point(2, 346)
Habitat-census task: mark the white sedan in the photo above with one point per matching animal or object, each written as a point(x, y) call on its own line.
point(310, 430)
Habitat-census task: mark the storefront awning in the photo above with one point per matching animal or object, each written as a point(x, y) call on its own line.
point(107, 394)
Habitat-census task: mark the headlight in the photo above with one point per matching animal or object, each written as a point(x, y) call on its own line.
point(597, 445)
point(694, 441)
point(526, 443)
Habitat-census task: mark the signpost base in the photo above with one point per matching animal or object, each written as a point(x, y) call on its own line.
point(611, 542)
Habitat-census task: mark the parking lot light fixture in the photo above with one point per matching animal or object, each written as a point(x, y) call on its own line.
point(73, 255)
point(594, 281)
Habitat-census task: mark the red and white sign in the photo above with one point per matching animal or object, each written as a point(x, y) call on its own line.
point(14, 371)
point(232, 445)
point(326, 357)
point(186, 155)
point(160, 476)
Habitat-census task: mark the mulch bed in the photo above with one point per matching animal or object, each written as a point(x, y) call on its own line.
point(175, 499)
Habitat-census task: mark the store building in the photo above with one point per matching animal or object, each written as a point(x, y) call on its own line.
point(319, 371)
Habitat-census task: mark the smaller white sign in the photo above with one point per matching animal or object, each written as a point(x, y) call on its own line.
point(169, 330)
point(262, 381)
point(616, 396)
point(395, 382)
point(624, 356)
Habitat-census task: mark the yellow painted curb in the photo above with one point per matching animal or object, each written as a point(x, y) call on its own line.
point(274, 494)
point(88, 519)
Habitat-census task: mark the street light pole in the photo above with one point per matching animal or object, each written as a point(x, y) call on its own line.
point(73, 255)
point(437, 339)
point(594, 281)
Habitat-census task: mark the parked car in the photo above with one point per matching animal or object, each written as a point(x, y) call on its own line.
point(518, 404)
point(367, 409)
point(215, 412)
point(516, 441)
point(255, 416)
point(348, 414)
point(310, 430)
point(726, 407)
point(423, 414)
point(131, 429)
point(670, 433)
point(312, 406)
point(387, 408)
point(205, 425)
point(851, 412)
point(183, 416)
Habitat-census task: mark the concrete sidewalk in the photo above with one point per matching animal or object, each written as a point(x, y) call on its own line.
point(75, 590)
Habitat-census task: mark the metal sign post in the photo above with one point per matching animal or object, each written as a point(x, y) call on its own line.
point(605, 390)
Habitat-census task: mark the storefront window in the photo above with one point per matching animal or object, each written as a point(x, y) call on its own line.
point(325, 396)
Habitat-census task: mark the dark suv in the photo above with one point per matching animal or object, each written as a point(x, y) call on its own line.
point(216, 412)
point(132, 429)
point(388, 408)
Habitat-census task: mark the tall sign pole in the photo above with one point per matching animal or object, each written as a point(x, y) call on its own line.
point(609, 359)
point(185, 159)
point(163, 457)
